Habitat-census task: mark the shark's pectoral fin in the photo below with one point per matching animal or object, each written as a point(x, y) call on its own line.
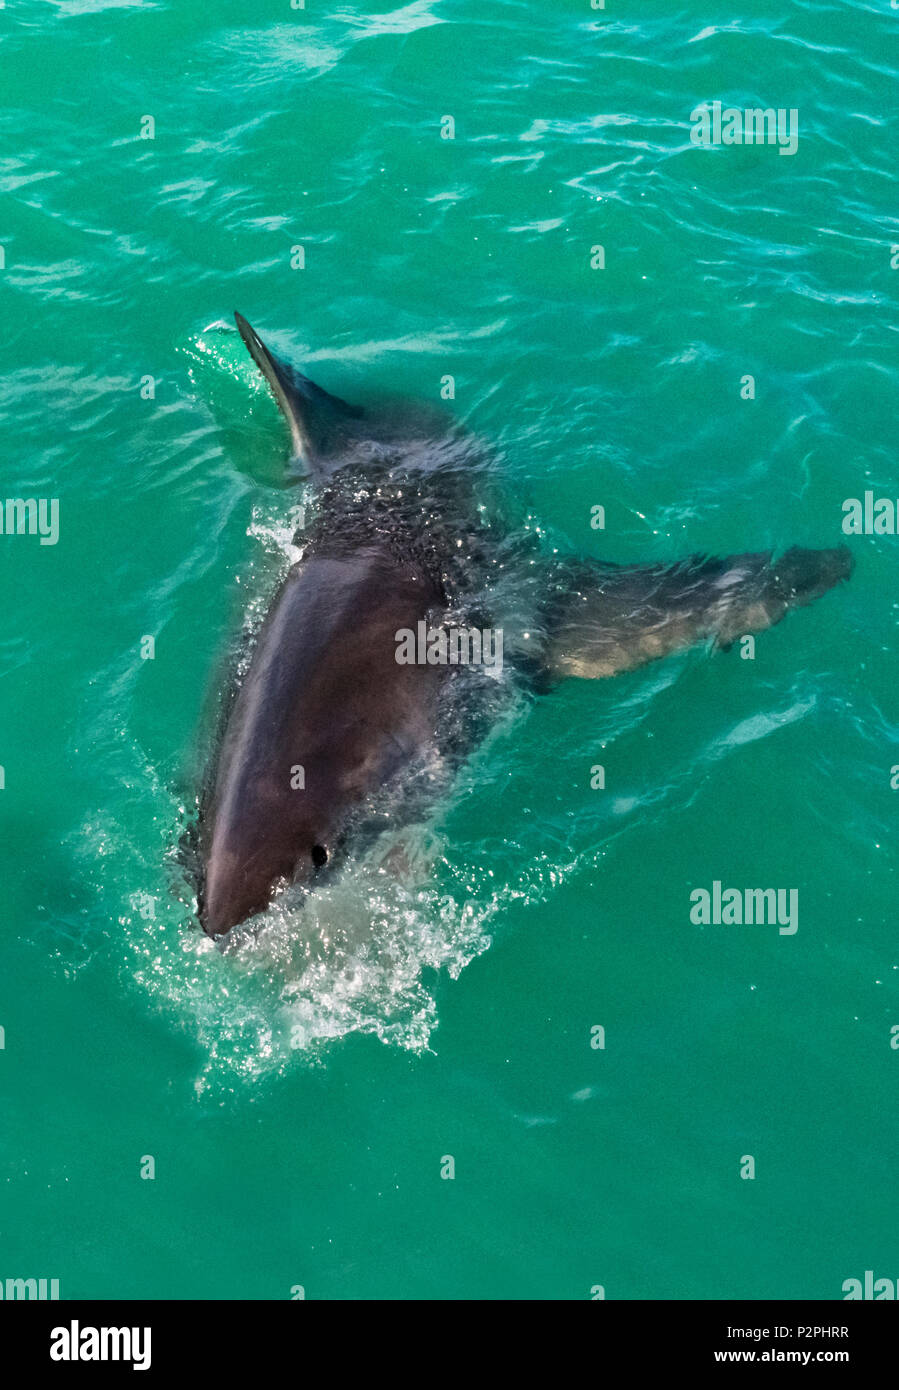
point(318, 421)
point(605, 619)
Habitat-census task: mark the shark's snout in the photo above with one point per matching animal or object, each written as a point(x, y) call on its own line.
point(241, 885)
point(231, 893)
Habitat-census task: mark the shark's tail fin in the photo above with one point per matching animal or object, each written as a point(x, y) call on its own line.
point(606, 618)
point(318, 421)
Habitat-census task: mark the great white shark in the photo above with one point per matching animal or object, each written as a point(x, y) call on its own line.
point(326, 718)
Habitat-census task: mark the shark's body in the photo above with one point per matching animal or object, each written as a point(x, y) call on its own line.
point(327, 717)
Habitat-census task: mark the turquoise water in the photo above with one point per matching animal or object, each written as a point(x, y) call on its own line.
point(299, 1118)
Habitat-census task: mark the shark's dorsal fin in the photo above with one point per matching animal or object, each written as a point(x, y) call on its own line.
point(317, 419)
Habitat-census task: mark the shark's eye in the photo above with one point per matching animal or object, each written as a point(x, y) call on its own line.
point(319, 856)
